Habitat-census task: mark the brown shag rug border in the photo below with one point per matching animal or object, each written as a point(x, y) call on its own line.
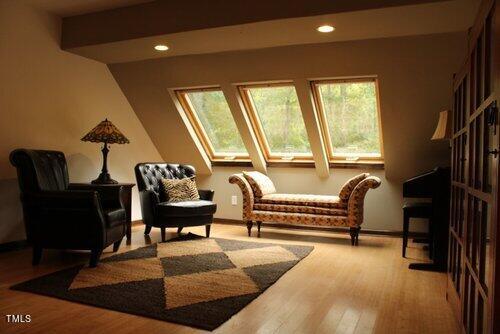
point(189, 280)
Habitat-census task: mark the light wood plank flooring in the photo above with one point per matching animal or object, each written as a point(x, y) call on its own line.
point(336, 289)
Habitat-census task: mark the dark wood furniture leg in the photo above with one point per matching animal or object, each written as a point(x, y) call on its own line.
point(95, 255)
point(116, 245)
point(127, 202)
point(163, 234)
point(179, 230)
point(258, 228)
point(406, 225)
point(37, 255)
point(207, 230)
point(249, 227)
point(354, 232)
point(147, 229)
point(431, 239)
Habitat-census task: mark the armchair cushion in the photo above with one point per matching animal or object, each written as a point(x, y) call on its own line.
point(260, 183)
point(186, 208)
point(180, 190)
point(348, 187)
point(323, 201)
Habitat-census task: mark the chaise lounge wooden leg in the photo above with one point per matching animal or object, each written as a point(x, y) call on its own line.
point(163, 237)
point(95, 255)
point(179, 230)
point(37, 255)
point(354, 232)
point(249, 227)
point(258, 229)
point(147, 230)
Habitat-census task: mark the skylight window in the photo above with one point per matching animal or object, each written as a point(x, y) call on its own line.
point(210, 116)
point(349, 113)
point(277, 120)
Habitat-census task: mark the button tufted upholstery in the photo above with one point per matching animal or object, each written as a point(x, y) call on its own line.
point(56, 215)
point(45, 170)
point(149, 175)
point(156, 212)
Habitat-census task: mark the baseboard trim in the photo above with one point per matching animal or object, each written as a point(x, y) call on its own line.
point(13, 246)
point(390, 233)
point(137, 222)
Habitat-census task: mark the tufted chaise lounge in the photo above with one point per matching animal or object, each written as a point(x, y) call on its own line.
point(345, 210)
point(156, 212)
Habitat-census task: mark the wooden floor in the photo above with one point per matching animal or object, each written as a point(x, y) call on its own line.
point(336, 289)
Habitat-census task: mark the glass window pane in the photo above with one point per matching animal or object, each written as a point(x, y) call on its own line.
point(351, 113)
point(281, 119)
point(213, 112)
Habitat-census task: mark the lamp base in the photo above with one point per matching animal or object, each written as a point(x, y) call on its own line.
point(104, 178)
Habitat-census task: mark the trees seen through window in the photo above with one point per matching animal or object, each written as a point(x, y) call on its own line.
point(278, 120)
point(349, 110)
point(213, 122)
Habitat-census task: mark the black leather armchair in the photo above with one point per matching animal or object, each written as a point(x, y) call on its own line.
point(60, 215)
point(156, 212)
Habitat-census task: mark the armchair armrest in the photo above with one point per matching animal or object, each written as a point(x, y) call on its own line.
point(67, 199)
point(207, 195)
point(111, 197)
point(247, 192)
point(80, 211)
point(356, 201)
point(149, 201)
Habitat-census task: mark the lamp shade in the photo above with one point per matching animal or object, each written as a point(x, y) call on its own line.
point(443, 128)
point(106, 132)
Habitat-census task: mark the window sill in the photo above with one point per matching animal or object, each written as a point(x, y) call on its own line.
point(232, 163)
point(367, 164)
point(290, 163)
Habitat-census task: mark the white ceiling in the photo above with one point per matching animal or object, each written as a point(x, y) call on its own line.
point(427, 18)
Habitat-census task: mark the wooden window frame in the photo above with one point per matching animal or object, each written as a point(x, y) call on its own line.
point(294, 158)
point(335, 158)
point(218, 157)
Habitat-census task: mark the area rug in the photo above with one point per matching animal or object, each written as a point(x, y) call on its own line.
point(192, 281)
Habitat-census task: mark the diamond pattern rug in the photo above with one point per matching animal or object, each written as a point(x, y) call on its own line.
point(191, 280)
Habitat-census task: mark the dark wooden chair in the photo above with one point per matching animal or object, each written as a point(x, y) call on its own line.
point(416, 210)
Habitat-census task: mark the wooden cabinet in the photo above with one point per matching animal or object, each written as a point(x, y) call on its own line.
point(474, 201)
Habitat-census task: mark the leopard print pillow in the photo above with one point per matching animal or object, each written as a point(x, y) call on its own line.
point(180, 190)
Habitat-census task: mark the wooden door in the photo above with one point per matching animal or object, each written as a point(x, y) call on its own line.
point(474, 201)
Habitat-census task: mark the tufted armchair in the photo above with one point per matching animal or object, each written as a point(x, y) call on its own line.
point(156, 212)
point(61, 215)
point(345, 210)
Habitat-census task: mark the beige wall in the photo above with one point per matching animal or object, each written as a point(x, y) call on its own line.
point(415, 76)
point(49, 99)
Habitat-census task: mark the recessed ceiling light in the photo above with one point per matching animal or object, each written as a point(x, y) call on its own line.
point(161, 47)
point(325, 28)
